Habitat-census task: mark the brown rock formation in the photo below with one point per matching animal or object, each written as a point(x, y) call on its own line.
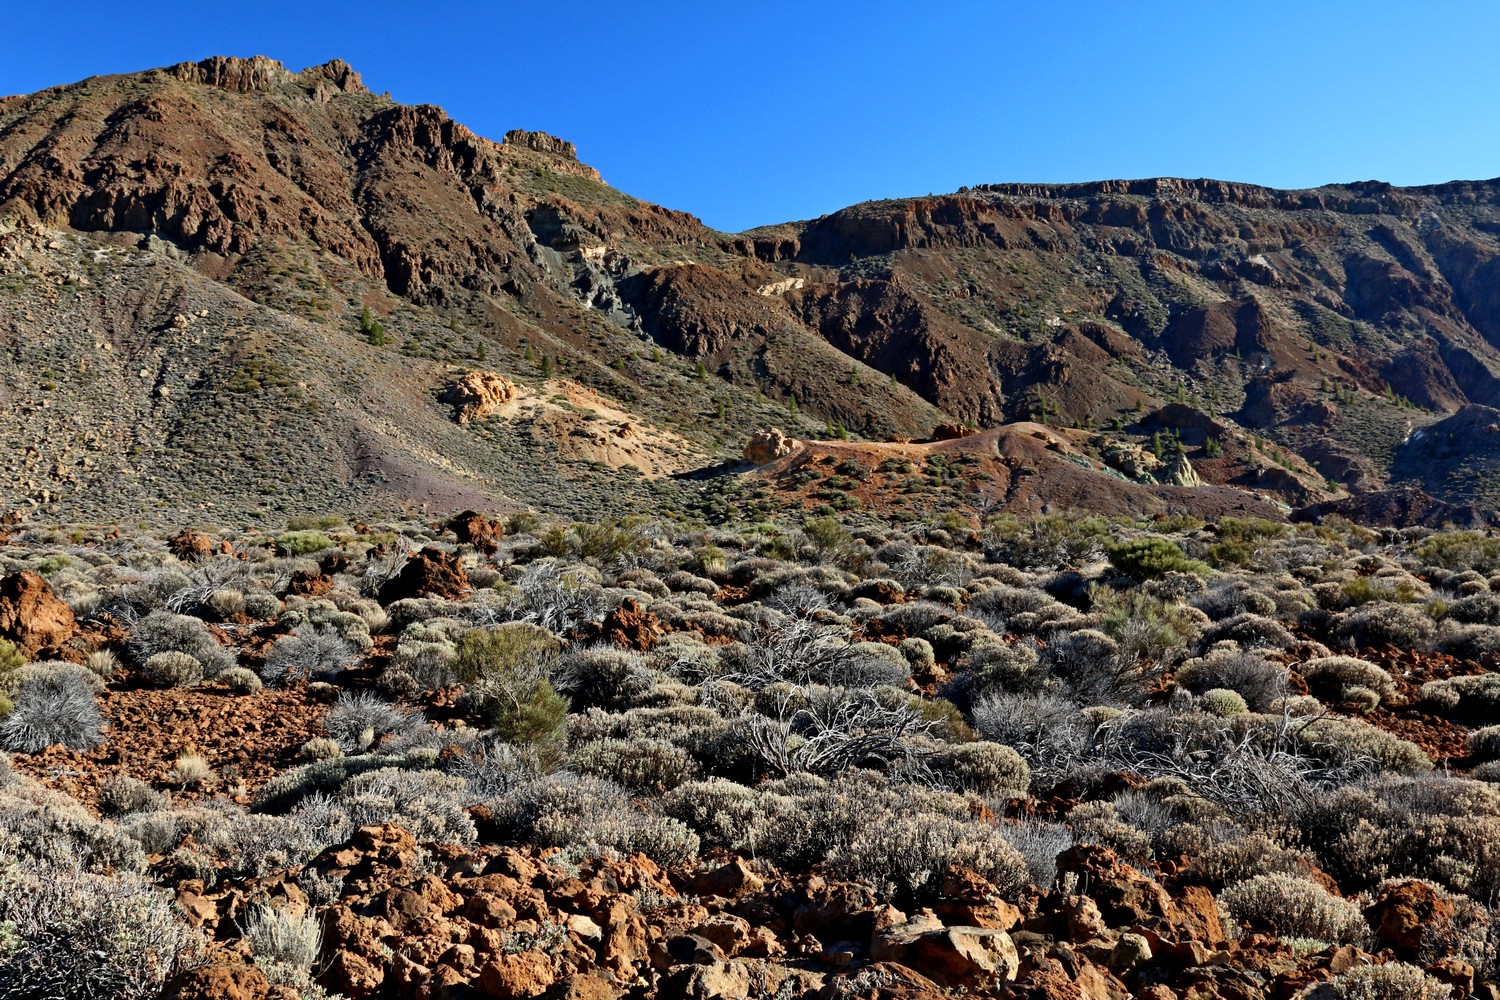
point(477, 395)
point(430, 573)
point(767, 446)
point(31, 616)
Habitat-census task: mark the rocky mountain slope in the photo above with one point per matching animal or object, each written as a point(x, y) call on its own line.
point(219, 273)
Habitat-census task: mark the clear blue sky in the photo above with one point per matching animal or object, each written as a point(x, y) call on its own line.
point(750, 113)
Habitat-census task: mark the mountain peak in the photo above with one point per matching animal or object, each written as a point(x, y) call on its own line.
point(261, 74)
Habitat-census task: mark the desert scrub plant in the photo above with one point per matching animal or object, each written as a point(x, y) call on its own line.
point(55, 704)
point(164, 632)
point(279, 937)
point(311, 653)
point(427, 804)
point(1226, 667)
point(506, 648)
point(1380, 623)
point(121, 794)
point(1346, 678)
point(171, 669)
point(603, 677)
point(1289, 906)
point(983, 768)
point(191, 770)
point(641, 765)
point(1152, 557)
point(1391, 981)
point(359, 719)
point(1484, 744)
point(902, 855)
point(1471, 696)
point(241, 680)
point(1048, 542)
point(66, 927)
point(301, 543)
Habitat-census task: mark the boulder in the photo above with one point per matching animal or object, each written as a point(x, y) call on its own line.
point(1404, 912)
point(31, 615)
point(219, 982)
point(477, 395)
point(964, 957)
point(768, 445)
point(473, 528)
point(430, 573)
point(1179, 472)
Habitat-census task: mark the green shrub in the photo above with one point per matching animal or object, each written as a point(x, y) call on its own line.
point(503, 649)
point(301, 543)
point(1152, 557)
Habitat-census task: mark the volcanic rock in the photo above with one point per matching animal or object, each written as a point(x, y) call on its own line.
point(768, 445)
point(31, 615)
point(477, 395)
point(475, 529)
point(432, 572)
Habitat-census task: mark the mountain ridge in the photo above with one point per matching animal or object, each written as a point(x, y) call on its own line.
point(1313, 332)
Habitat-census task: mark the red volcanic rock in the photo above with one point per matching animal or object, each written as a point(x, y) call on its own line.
point(191, 545)
point(631, 626)
point(473, 528)
point(220, 982)
point(1127, 898)
point(305, 583)
point(1403, 913)
point(31, 616)
point(430, 573)
point(951, 432)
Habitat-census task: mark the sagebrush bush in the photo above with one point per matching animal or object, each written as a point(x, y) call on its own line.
point(984, 768)
point(1254, 678)
point(122, 794)
point(171, 669)
point(312, 653)
point(902, 855)
point(359, 719)
point(53, 705)
point(642, 765)
point(280, 936)
point(1383, 624)
point(1289, 906)
point(1334, 678)
point(115, 935)
point(164, 632)
point(241, 680)
point(1392, 981)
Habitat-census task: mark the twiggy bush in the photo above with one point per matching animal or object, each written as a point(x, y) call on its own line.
point(313, 652)
point(53, 705)
point(1392, 981)
point(115, 933)
point(1288, 906)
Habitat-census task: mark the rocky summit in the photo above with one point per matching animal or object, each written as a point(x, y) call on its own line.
point(429, 573)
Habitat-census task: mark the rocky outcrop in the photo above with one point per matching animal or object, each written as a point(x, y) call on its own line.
point(432, 572)
point(768, 445)
point(32, 617)
point(477, 395)
point(1179, 472)
point(473, 528)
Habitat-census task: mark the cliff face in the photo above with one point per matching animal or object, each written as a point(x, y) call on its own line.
point(1318, 328)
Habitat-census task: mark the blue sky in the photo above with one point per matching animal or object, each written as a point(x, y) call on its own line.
point(750, 113)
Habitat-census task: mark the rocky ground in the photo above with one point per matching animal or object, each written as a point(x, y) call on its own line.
point(1051, 757)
